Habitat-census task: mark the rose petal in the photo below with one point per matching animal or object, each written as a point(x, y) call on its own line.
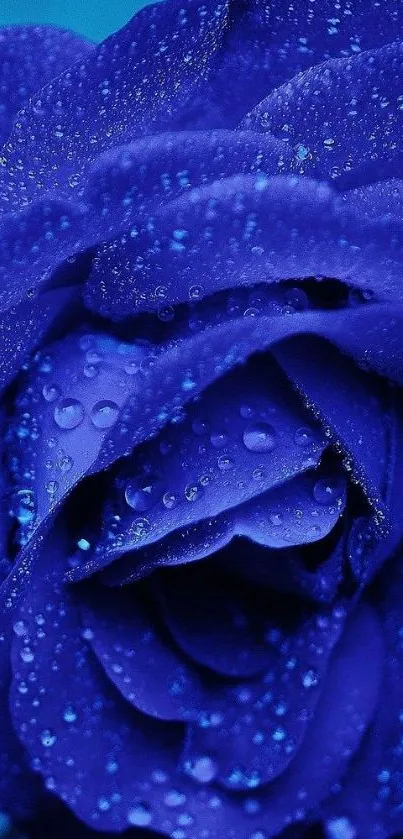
point(228, 233)
point(246, 430)
point(139, 658)
point(119, 92)
point(288, 515)
point(30, 56)
point(376, 770)
point(343, 118)
point(105, 738)
point(271, 44)
point(331, 384)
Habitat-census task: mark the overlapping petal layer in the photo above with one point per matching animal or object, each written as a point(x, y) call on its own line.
point(203, 456)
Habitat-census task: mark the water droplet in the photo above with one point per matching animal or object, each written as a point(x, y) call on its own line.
point(83, 544)
point(203, 769)
point(218, 439)
point(131, 368)
point(68, 414)
point(112, 766)
point(142, 493)
point(103, 804)
point(259, 437)
point(340, 828)
point(200, 426)
point(166, 314)
point(301, 151)
point(51, 488)
point(90, 371)
point(69, 714)
point(20, 628)
point(303, 436)
point(188, 382)
point(140, 528)
point(224, 463)
point(50, 392)
point(104, 413)
point(74, 180)
point(193, 492)
point(48, 739)
point(169, 500)
point(276, 519)
point(139, 815)
point(362, 541)
point(246, 411)
point(174, 798)
point(309, 679)
point(64, 461)
point(278, 734)
point(327, 490)
point(23, 506)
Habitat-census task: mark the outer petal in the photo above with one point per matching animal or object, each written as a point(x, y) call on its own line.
point(275, 41)
point(355, 408)
point(92, 758)
point(377, 812)
point(118, 93)
point(343, 118)
point(30, 56)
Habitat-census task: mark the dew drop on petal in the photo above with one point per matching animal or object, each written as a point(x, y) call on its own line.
point(193, 492)
point(142, 493)
point(139, 815)
point(104, 413)
point(68, 414)
point(20, 629)
point(340, 828)
point(203, 769)
point(50, 392)
point(169, 500)
point(23, 506)
point(48, 739)
point(326, 491)
point(218, 439)
point(303, 436)
point(259, 437)
point(69, 714)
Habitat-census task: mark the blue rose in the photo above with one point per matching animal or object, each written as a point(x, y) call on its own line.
point(201, 257)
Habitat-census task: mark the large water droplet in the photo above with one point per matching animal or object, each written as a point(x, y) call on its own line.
point(259, 437)
point(295, 300)
point(193, 492)
point(169, 500)
point(50, 392)
point(48, 739)
point(340, 828)
point(303, 436)
point(327, 490)
point(203, 769)
point(104, 413)
point(362, 542)
point(139, 815)
point(64, 461)
point(142, 493)
point(68, 414)
point(23, 506)
point(69, 714)
point(218, 439)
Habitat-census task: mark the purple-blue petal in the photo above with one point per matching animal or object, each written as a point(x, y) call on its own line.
point(30, 57)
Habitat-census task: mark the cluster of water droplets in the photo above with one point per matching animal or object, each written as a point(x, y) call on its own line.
point(54, 406)
point(155, 483)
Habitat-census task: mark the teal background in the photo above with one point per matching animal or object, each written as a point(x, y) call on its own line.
point(94, 18)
